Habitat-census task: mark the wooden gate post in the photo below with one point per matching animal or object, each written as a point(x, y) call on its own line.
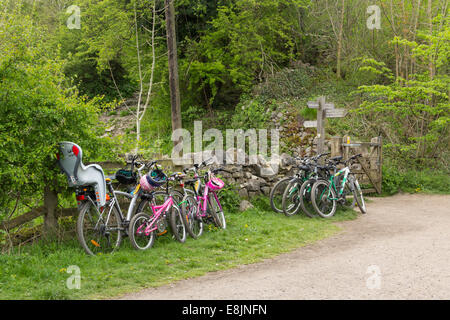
point(336, 145)
point(50, 204)
point(321, 125)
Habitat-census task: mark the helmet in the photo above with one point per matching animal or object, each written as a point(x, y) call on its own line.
point(215, 183)
point(153, 180)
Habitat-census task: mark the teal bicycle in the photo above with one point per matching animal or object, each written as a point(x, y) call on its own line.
point(325, 195)
point(292, 196)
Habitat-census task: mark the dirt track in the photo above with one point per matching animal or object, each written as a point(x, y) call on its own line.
point(399, 250)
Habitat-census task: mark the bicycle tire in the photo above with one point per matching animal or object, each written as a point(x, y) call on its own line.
point(291, 198)
point(219, 213)
point(274, 192)
point(305, 198)
point(359, 197)
point(194, 226)
point(176, 224)
point(213, 213)
point(137, 219)
point(321, 188)
point(98, 241)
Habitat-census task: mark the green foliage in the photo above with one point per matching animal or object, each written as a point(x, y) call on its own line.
point(431, 181)
point(287, 83)
point(245, 40)
point(413, 113)
point(252, 113)
point(38, 109)
point(229, 198)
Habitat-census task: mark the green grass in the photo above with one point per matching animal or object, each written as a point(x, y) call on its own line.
point(40, 271)
point(415, 181)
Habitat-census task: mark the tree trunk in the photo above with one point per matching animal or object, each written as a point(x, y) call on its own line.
point(50, 204)
point(339, 49)
point(173, 67)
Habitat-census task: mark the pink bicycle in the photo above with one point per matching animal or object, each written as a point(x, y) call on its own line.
point(202, 205)
point(145, 226)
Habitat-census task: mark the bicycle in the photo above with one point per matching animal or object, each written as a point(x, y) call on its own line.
point(292, 196)
point(143, 226)
point(189, 204)
point(208, 209)
point(101, 223)
point(277, 191)
point(325, 194)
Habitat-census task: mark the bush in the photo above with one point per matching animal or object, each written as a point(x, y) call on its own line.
point(395, 180)
point(229, 198)
point(38, 110)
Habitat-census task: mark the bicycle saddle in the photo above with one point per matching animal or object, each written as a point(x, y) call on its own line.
point(337, 158)
point(70, 161)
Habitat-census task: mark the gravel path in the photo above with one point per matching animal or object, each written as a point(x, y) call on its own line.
point(399, 250)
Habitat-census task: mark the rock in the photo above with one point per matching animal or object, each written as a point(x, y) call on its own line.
point(252, 194)
point(285, 160)
point(265, 190)
point(245, 205)
point(243, 193)
point(253, 185)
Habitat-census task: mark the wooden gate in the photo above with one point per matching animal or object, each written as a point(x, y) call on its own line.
point(368, 170)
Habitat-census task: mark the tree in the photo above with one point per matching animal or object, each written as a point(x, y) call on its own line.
point(173, 68)
point(38, 109)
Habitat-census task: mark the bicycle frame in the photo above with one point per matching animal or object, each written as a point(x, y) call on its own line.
point(134, 196)
point(157, 212)
point(203, 201)
point(345, 171)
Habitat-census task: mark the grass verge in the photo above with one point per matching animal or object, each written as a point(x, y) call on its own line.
point(40, 271)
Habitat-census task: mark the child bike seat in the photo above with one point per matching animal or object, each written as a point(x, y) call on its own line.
point(70, 161)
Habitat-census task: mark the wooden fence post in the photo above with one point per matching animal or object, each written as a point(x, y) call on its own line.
point(336, 144)
point(50, 205)
point(320, 125)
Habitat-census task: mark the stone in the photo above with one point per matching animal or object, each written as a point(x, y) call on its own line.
point(238, 174)
point(265, 190)
point(252, 194)
point(243, 193)
point(245, 205)
point(253, 185)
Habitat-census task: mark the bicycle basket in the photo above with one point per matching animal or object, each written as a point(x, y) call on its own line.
point(215, 183)
point(126, 177)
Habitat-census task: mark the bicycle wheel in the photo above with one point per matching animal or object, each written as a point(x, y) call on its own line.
point(212, 211)
point(305, 198)
point(276, 194)
point(347, 199)
point(177, 224)
point(219, 212)
point(291, 197)
point(136, 231)
point(157, 199)
point(357, 192)
point(177, 197)
point(324, 205)
point(98, 232)
point(194, 225)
